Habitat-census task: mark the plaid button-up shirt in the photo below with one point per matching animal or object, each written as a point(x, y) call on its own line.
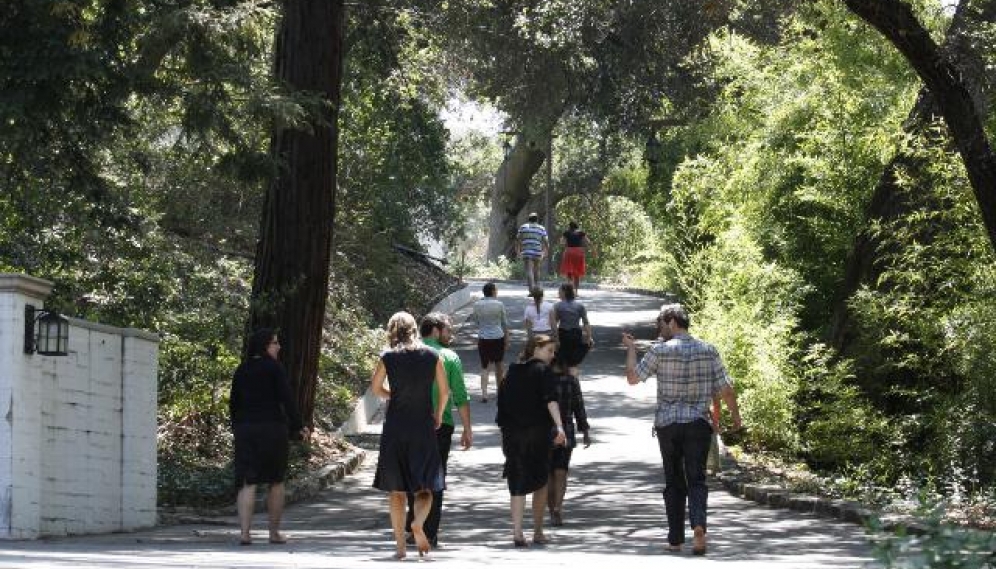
point(689, 374)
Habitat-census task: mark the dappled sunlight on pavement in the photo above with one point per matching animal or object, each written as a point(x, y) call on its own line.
point(614, 512)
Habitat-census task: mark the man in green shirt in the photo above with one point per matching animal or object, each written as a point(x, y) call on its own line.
point(436, 333)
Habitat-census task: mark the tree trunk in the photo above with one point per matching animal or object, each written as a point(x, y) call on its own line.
point(950, 90)
point(291, 276)
point(510, 196)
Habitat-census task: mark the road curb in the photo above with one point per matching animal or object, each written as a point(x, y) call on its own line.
point(777, 496)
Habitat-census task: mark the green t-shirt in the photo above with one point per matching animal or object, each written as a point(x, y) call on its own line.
point(454, 376)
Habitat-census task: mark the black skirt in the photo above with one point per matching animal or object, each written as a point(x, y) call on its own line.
point(572, 349)
point(409, 460)
point(260, 453)
point(527, 458)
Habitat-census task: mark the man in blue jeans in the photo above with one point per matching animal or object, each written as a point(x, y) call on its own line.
point(689, 375)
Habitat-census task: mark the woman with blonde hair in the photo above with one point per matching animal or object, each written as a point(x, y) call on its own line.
point(528, 415)
point(409, 461)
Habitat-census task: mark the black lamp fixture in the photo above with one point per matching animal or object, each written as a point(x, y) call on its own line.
point(52, 336)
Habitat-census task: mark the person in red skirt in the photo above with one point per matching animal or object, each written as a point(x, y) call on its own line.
point(572, 264)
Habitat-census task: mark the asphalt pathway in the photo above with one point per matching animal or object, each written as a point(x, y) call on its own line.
point(614, 512)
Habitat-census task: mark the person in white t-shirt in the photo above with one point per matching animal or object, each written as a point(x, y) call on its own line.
point(538, 317)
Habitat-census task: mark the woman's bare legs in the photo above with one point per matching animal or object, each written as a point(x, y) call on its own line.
point(423, 503)
point(539, 510)
point(555, 496)
point(518, 507)
point(275, 510)
point(485, 379)
point(398, 502)
point(244, 503)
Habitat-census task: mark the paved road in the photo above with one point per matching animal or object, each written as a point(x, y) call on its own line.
point(614, 511)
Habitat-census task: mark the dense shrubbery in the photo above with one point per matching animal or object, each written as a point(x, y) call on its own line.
point(758, 209)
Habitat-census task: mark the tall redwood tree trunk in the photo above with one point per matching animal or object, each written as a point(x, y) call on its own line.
point(291, 277)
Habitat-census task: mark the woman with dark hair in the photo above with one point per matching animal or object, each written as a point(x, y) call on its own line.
point(264, 417)
point(571, 403)
point(570, 318)
point(528, 414)
point(409, 462)
point(572, 263)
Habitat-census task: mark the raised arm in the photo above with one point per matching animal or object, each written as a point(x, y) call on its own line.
point(630, 344)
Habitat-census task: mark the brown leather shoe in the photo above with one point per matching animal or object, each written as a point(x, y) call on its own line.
point(699, 541)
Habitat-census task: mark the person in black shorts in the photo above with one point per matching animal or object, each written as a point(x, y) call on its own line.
point(264, 417)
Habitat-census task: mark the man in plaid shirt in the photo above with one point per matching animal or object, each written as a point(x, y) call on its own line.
point(689, 375)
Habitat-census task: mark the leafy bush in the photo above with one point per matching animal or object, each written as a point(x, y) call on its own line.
point(838, 426)
point(940, 545)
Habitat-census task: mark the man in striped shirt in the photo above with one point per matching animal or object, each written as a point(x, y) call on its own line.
point(532, 245)
point(689, 375)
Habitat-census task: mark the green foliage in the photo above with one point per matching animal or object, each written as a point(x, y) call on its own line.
point(747, 311)
point(839, 426)
point(938, 545)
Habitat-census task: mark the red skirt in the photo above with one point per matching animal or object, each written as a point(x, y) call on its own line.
point(572, 262)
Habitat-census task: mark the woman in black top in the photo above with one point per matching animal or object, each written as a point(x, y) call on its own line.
point(528, 414)
point(572, 411)
point(572, 262)
point(264, 416)
point(408, 462)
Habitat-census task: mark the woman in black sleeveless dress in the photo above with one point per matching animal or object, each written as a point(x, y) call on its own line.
point(408, 461)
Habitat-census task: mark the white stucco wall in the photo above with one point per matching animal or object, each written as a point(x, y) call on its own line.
point(77, 433)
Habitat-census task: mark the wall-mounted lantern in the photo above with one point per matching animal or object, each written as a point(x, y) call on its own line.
point(46, 332)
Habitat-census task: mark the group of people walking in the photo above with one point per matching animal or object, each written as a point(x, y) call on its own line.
point(539, 410)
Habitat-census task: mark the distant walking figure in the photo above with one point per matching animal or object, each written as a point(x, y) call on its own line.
point(572, 263)
point(264, 417)
point(538, 316)
point(689, 375)
point(408, 461)
point(532, 245)
point(492, 336)
point(528, 415)
point(570, 318)
point(572, 411)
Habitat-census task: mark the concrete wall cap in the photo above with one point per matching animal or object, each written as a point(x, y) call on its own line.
point(25, 284)
point(108, 329)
